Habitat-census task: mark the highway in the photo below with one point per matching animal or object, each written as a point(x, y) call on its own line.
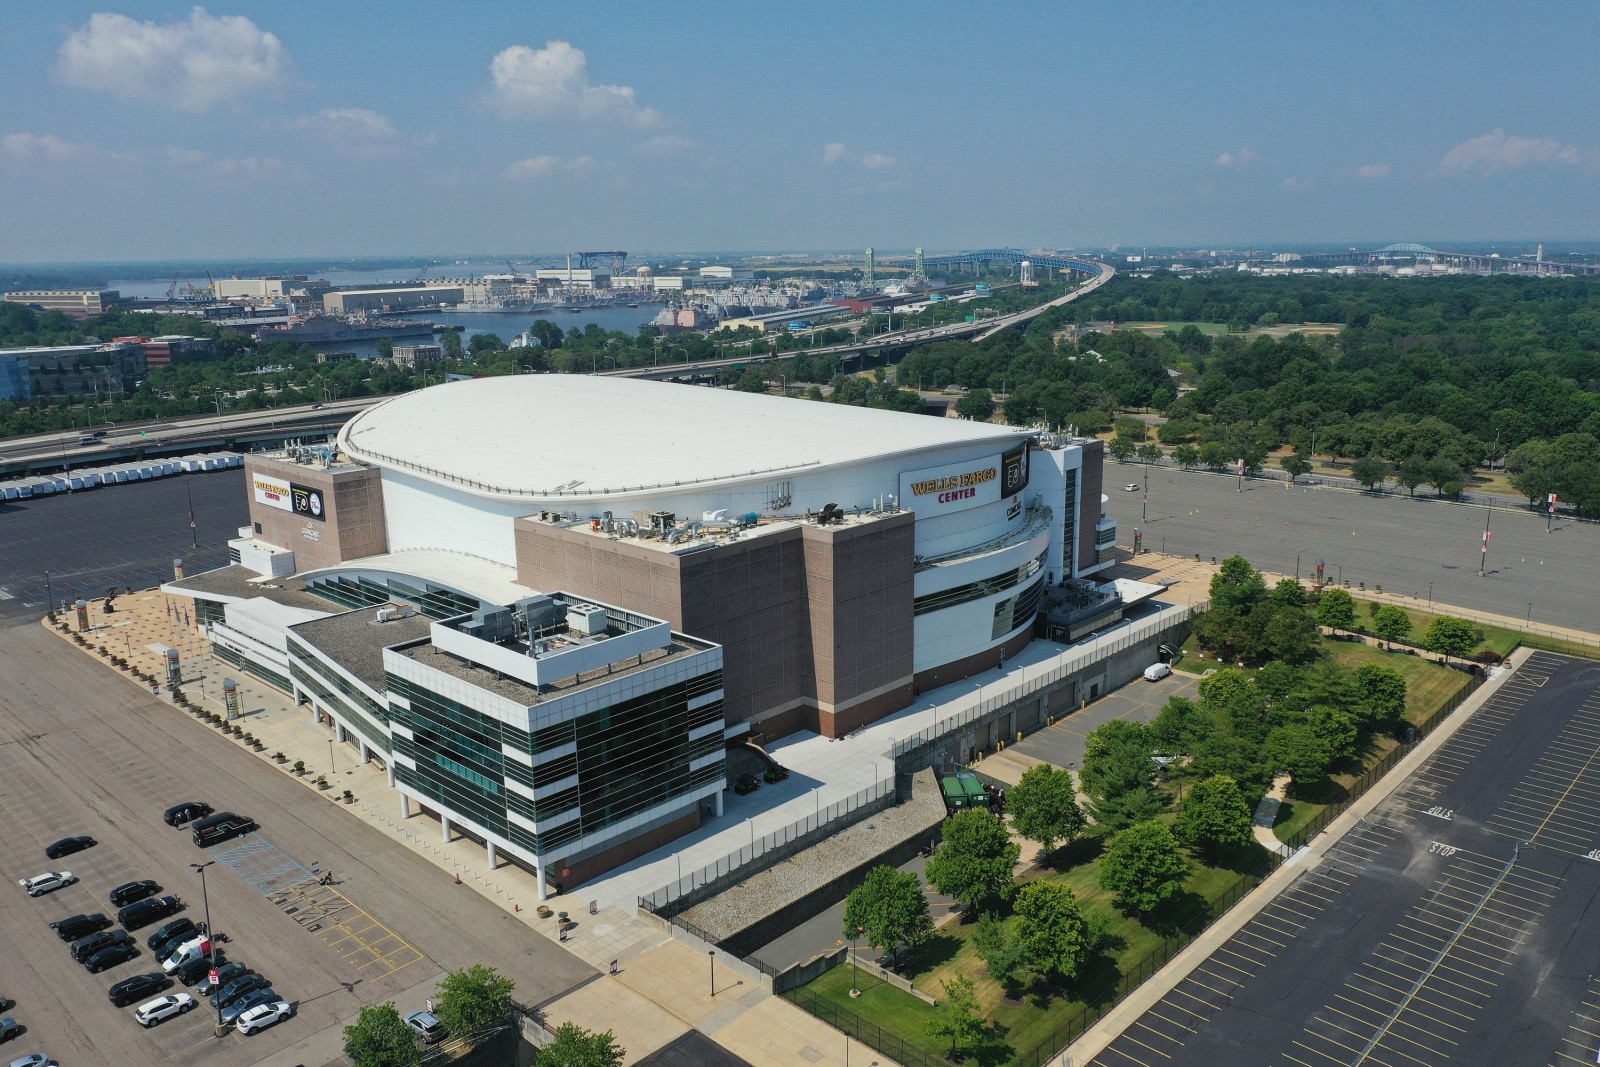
point(978, 331)
point(1407, 546)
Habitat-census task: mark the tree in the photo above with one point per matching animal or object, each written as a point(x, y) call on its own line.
point(1237, 584)
point(1118, 774)
point(1391, 623)
point(1186, 456)
point(1289, 592)
point(977, 405)
point(385, 348)
point(976, 860)
point(474, 998)
point(889, 908)
point(1370, 471)
point(450, 345)
point(1295, 749)
point(576, 1047)
point(1044, 806)
point(1296, 464)
point(1337, 610)
point(1150, 453)
point(1214, 816)
point(1000, 952)
point(958, 1017)
point(1382, 693)
point(1052, 931)
point(380, 1038)
point(1122, 448)
point(1290, 635)
point(1412, 473)
point(1450, 636)
point(1142, 867)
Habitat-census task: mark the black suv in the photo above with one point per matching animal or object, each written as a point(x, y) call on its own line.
point(110, 956)
point(170, 935)
point(144, 912)
point(85, 947)
point(199, 969)
point(138, 987)
point(128, 892)
point(76, 926)
point(188, 811)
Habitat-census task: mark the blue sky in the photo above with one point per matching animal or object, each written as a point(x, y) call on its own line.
point(155, 130)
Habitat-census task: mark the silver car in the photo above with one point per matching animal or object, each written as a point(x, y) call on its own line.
point(48, 882)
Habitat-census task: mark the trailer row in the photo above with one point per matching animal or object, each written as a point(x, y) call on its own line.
point(134, 471)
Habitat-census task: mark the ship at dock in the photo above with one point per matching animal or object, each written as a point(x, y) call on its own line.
point(342, 329)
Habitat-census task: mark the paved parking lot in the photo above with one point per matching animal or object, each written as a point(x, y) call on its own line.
point(118, 535)
point(1138, 701)
point(1452, 926)
point(84, 751)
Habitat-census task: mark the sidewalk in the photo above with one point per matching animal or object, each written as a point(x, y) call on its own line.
point(1097, 1037)
point(662, 989)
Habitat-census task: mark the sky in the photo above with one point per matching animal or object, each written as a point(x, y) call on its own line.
point(144, 130)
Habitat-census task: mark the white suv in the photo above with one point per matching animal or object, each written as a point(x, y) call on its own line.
point(264, 1015)
point(47, 882)
point(161, 1009)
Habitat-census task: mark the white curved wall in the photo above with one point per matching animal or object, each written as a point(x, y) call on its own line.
point(424, 515)
point(935, 579)
point(955, 633)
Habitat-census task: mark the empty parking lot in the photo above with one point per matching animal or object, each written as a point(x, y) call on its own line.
point(1451, 927)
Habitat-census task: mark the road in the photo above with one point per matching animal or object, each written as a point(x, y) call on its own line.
point(1407, 546)
point(82, 750)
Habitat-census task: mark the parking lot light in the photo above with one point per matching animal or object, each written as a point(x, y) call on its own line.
point(211, 935)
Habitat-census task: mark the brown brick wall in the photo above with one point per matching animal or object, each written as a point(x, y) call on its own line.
point(355, 525)
point(1091, 478)
point(860, 585)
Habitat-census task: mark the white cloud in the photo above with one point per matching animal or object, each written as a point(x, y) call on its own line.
point(48, 148)
point(191, 65)
point(1373, 170)
point(1240, 158)
point(1495, 151)
point(1293, 182)
point(668, 144)
point(232, 169)
point(536, 167)
point(346, 124)
point(553, 83)
point(835, 152)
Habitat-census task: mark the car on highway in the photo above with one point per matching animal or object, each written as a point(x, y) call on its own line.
point(9, 1028)
point(110, 957)
point(128, 892)
point(232, 991)
point(427, 1026)
point(264, 1015)
point(159, 1010)
point(138, 987)
point(87, 946)
point(144, 912)
point(48, 882)
point(252, 999)
point(225, 974)
point(68, 845)
point(1131, 487)
point(76, 926)
point(169, 935)
point(186, 812)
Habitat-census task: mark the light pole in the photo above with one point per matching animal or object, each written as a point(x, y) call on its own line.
point(194, 537)
point(1483, 558)
point(1297, 568)
point(855, 967)
point(211, 935)
point(711, 954)
point(331, 768)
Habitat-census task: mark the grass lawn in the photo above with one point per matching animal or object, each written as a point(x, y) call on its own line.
point(1021, 1025)
point(1496, 639)
point(1428, 685)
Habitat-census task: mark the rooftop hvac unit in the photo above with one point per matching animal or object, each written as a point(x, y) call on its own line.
point(587, 619)
point(539, 613)
point(661, 521)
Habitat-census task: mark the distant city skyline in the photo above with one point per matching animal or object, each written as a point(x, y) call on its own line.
point(145, 131)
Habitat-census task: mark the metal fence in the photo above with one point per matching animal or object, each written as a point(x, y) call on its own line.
point(1070, 665)
point(868, 1033)
point(697, 885)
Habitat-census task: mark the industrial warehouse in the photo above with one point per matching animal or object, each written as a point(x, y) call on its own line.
point(546, 603)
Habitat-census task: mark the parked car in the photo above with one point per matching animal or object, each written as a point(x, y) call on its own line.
point(264, 1015)
point(76, 926)
point(48, 882)
point(252, 999)
point(196, 970)
point(221, 827)
point(9, 1028)
point(138, 987)
point(232, 991)
point(87, 946)
point(68, 845)
point(110, 957)
point(746, 783)
point(1156, 671)
point(144, 912)
point(169, 934)
point(191, 949)
point(188, 811)
point(36, 1059)
point(1131, 487)
point(159, 1010)
point(128, 892)
point(225, 974)
point(427, 1026)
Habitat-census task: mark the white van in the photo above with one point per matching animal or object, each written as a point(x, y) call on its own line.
point(1156, 671)
point(189, 950)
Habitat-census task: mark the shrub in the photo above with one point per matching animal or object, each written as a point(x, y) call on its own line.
point(299, 766)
